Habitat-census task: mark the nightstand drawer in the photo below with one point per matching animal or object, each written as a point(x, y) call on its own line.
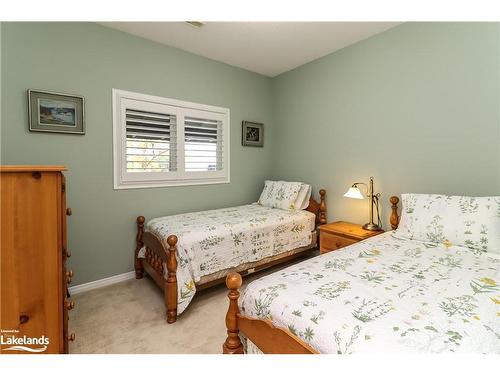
point(329, 242)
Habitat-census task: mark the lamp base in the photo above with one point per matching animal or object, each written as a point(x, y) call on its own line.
point(373, 227)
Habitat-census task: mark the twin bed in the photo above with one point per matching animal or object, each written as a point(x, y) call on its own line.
point(189, 252)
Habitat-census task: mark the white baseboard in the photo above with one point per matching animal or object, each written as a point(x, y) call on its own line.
point(102, 282)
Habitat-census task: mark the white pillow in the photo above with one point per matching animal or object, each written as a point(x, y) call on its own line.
point(473, 222)
point(280, 194)
point(302, 201)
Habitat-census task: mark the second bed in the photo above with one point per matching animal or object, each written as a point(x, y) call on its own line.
point(188, 252)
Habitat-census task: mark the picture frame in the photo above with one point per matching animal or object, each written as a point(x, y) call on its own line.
point(55, 112)
point(252, 134)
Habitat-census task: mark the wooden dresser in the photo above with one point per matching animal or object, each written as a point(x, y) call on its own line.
point(340, 234)
point(34, 279)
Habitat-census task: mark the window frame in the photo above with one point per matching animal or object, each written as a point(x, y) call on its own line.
point(136, 180)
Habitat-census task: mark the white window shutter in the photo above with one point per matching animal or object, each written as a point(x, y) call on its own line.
point(203, 144)
point(166, 142)
point(151, 141)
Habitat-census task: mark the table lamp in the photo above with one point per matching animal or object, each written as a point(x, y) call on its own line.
point(354, 192)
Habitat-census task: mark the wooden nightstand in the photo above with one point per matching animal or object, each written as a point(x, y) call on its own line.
point(339, 234)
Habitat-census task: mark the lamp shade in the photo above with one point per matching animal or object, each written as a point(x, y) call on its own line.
point(354, 192)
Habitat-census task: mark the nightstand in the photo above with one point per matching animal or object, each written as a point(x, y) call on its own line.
point(339, 234)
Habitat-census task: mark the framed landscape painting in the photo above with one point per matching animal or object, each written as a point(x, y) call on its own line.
point(252, 134)
point(55, 113)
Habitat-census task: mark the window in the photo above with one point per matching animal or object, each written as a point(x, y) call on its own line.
point(166, 142)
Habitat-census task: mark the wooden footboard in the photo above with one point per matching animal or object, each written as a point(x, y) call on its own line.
point(155, 256)
point(268, 338)
point(263, 333)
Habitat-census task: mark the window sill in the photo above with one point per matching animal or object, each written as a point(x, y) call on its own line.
point(160, 184)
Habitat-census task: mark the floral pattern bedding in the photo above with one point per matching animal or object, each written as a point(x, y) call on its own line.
point(281, 194)
point(386, 294)
point(215, 240)
point(472, 222)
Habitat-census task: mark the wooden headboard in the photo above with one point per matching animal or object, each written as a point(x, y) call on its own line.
point(394, 214)
point(318, 209)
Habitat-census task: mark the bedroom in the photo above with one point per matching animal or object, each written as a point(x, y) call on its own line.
point(413, 104)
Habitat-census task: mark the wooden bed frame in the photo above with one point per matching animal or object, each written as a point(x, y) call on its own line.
point(157, 254)
point(266, 336)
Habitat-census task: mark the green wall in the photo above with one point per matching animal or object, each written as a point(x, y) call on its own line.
point(417, 107)
point(90, 60)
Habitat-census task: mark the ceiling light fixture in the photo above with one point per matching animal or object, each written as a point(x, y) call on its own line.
point(197, 24)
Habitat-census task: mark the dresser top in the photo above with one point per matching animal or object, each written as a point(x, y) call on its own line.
point(32, 168)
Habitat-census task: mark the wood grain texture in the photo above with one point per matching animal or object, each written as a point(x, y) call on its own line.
point(318, 208)
point(329, 242)
point(394, 212)
point(348, 230)
point(171, 289)
point(233, 345)
point(61, 233)
point(339, 234)
point(267, 337)
point(271, 339)
point(33, 227)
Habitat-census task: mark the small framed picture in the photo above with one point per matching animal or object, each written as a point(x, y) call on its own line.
point(56, 113)
point(252, 134)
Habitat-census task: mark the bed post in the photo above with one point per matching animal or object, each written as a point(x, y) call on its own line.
point(171, 283)
point(233, 345)
point(394, 214)
point(139, 270)
point(322, 207)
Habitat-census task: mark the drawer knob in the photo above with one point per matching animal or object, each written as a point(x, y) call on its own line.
point(71, 337)
point(70, 305)
point(68, 211)
point(23, 319)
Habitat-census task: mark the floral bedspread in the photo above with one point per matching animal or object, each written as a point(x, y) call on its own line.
point(215, 240)
point(386, 295)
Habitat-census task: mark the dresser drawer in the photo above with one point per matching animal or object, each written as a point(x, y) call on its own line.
point(329, 242)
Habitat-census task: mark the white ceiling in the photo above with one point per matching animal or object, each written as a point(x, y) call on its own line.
point(268, 48)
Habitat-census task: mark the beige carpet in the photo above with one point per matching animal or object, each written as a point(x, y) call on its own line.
point(129, 317)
